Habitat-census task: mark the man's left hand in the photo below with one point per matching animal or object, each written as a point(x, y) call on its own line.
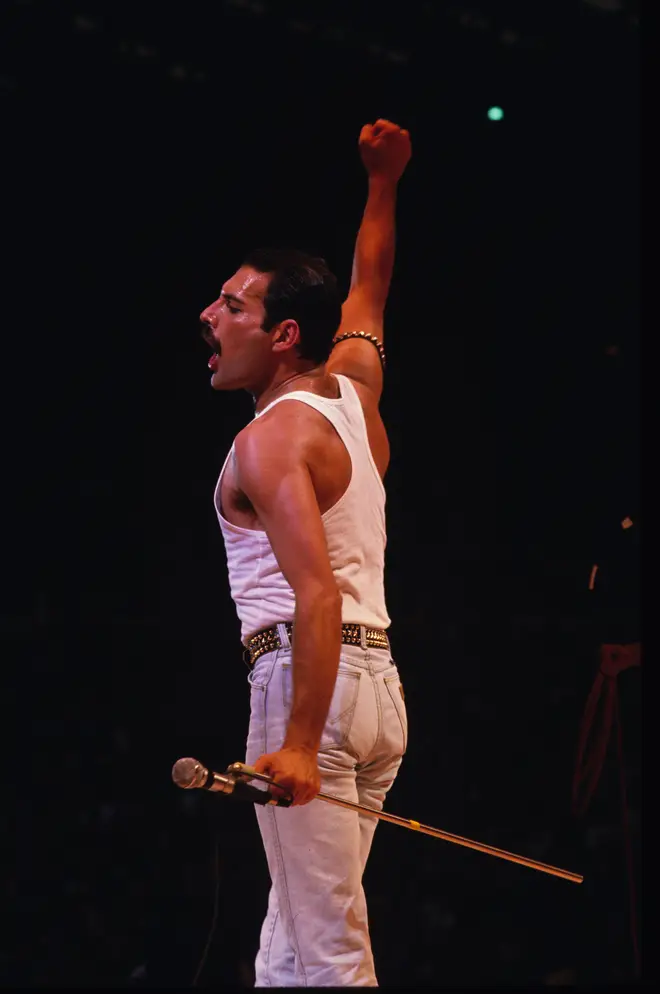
point(294, 770)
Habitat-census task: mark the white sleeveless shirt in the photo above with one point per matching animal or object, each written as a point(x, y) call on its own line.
point(354, 529)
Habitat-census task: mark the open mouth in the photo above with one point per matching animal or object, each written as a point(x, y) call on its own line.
point(207, 335)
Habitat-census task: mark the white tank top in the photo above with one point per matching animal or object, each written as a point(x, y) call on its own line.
point(354, 528)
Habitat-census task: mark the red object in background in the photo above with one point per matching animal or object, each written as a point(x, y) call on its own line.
point(614, 659)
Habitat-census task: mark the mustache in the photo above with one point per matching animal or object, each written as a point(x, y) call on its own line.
point(207, 335)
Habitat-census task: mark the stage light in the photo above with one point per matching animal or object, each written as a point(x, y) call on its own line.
point(495, 113)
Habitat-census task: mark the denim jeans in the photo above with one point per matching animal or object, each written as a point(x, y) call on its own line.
point(316, 931)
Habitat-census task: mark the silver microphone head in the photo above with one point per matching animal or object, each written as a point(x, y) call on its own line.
point(189, 773)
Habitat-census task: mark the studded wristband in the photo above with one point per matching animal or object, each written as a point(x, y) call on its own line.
point(367, 338)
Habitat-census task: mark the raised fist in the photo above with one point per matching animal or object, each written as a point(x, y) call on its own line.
point(384, 149)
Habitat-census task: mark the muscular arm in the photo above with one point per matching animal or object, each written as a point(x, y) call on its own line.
point(385, 151)
point(277, 480)
point(373, 259)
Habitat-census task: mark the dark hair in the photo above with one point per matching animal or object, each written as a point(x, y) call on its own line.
point(302, 288)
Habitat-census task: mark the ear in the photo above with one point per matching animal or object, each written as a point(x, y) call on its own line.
point(286, 335)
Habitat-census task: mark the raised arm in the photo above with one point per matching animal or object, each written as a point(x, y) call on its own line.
point(385, 151)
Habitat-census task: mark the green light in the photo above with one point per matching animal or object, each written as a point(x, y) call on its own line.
point(495, 113)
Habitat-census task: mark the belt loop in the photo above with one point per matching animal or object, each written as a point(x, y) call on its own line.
point(284, 635)
point(363, 637)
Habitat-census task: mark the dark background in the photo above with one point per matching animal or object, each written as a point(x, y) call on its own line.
point(146, 148)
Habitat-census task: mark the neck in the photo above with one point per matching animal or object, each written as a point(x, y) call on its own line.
point(273, 389)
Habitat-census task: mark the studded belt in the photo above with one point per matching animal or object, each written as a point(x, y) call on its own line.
point(268, 639)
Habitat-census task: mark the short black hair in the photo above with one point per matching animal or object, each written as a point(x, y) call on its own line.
point(301, 288)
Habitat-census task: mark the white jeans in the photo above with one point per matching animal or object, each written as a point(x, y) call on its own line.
point(316, 932)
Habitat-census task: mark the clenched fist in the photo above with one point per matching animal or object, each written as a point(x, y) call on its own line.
point(385, 149)
point(295, 771)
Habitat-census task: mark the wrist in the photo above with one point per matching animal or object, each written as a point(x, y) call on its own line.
point(378, 183)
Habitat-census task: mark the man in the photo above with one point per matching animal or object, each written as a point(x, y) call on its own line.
point(300, 502)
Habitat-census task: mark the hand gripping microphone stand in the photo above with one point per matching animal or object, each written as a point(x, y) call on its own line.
point(189, 773)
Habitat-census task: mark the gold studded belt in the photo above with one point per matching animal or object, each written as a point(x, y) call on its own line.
point(268, 639)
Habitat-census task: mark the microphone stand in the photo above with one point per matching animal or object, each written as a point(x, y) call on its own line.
point(242, 772)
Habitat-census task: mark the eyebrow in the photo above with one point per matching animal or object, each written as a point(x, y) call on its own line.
point(231, 296)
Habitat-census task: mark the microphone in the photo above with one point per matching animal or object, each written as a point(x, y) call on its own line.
point(189, 773)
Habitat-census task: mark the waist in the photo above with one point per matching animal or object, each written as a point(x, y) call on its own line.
point(268, 639)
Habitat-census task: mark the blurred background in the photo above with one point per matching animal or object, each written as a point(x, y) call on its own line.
point(147, 147)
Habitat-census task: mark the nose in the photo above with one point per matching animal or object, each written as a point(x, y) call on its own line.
point(208, 316)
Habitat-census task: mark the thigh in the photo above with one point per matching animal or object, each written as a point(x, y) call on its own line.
point(319, 842)
point(315, 863)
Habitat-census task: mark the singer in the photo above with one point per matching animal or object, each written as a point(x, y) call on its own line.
point(301, 505)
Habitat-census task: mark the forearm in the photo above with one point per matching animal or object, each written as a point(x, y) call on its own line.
point(373, 260)
point(316, 649)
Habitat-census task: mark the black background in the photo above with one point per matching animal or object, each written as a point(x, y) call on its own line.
point(145, 150)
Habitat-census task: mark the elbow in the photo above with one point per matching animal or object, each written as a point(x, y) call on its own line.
point(321, 597)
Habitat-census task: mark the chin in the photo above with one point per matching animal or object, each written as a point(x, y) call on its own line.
point(218, 384)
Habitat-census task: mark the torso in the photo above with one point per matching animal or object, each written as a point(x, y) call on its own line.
point(329, 462)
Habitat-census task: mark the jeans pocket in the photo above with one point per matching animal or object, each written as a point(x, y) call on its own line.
point(258, 678)
point(260, 675)
point(339, 722)
point(395, 690)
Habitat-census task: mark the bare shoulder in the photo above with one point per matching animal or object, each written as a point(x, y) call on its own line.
point(281, 435)
point(294, 434)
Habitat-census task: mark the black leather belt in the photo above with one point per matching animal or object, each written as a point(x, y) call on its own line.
point(268, 639)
